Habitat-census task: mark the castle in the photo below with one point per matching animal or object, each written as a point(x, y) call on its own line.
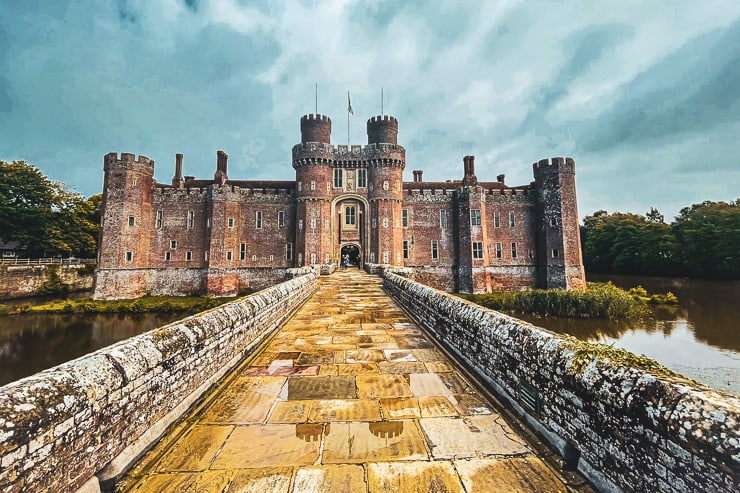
point(222, 236)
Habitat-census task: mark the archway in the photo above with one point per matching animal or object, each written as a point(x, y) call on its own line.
point(353, 254)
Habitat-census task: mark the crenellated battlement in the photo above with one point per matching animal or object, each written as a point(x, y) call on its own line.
point(554, 164)
point(383, 118)
point(309, 153)
point(128, 158)
point(315, 117)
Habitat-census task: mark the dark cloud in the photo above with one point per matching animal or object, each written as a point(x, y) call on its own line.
point(584, 49)
point(691, 91)
point(192, 5)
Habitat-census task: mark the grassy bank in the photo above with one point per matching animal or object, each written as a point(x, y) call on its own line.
point(599, 300)
point(160, 304)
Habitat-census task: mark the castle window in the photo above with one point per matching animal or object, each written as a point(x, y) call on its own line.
point(254, 258)
point(349, 215)
point(475, 217)
point(435, 249)
point(385, 223)
point(499, 251)
point(300, 186)
point(313, 223)
point(300, 260)
point(555, 253)
point(281, 219)
point(328, 186)
point(326, 258)
point(531, 254)
point(229, 255)
point(242, 251)
point(231, 223)
point(371, 187)
point(405, 249)
point(385, 185)
point(167, 256)
point(188, 256)
point(131, 221)
point(372, 257)
point(513, 250)
point(208, 222)
point(478, 250)
point(405, 218)
point(512, 221)
point(300, 224)
point(205, 256)
point(129, 256)
point(374, 223)
point(442, 218)
point(288, 251)
point(159, 220)
point(496, 220)
point(191, 219)
point(313, 258)
point(385, 257)
point(337, 178)
point(173, 244)
point(326, 224)
point(258, 219)
point(361, 178)
point(313, 185)
point(553, 221)
point(133, 182)
point(272, 257)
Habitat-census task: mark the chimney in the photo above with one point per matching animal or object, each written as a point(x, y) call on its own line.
point(417, 176)
point(221, 175)
point(469, 178)
point(500, 178)
point(177, 181)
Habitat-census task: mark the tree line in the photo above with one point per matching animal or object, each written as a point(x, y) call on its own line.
point(702, 241)
point(44, 216)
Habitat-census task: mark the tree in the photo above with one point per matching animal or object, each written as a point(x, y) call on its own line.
point(44, 216)
point(709, 235)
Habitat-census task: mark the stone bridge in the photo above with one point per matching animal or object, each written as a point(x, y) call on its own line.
point(353, 382)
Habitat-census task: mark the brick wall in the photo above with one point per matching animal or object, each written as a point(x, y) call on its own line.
point(19, 281)
point(635, 430)
point(93, 416)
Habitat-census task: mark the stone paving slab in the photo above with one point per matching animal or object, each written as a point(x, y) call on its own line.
point(349, 396)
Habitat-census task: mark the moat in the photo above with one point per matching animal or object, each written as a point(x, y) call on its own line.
point(699, 338)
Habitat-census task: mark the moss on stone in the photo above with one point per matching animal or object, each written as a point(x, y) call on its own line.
point(159, 304)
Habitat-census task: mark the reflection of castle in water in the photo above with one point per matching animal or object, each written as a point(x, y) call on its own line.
point(386, 429)
point(311, 432)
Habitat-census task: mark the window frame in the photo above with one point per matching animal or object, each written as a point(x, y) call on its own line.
point(475, 217)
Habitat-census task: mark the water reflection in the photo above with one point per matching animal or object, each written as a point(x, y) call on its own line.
point(698, 338)
point(33, 342)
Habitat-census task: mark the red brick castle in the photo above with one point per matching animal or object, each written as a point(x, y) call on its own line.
point(221, 236)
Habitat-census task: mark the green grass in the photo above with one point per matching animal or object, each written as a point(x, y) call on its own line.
point(160, 304)
point(599, 300)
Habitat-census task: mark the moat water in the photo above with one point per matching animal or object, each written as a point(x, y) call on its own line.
point(699, 338)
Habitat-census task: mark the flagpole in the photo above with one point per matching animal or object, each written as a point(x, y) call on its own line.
point(316, 100)
point(381, 101)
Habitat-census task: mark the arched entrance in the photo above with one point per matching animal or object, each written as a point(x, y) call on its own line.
point(353, 253)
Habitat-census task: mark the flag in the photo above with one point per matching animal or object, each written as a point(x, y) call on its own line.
point(349, 105)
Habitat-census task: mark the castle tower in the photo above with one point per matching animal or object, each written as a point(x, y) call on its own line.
point(386, 161)
point(312, 160)
point(560, 264)
point(126, 225)
point(472, 232)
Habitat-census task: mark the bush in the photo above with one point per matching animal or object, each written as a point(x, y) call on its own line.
point(599, 300)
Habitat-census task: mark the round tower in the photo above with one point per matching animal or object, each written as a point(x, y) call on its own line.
point(386, 161)
point(312, 160)
point(382, 130)
point(316, 128)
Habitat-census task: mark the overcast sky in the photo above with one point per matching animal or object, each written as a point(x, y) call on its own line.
point(645, 96)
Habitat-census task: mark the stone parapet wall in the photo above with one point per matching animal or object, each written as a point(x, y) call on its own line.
point(83, 422)
point(628, 428)
point(20, 281)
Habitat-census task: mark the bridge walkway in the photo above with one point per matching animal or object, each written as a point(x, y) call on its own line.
point(349, 396)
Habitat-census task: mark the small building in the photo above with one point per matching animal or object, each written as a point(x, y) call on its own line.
point(219, 236)
point(11, 249)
